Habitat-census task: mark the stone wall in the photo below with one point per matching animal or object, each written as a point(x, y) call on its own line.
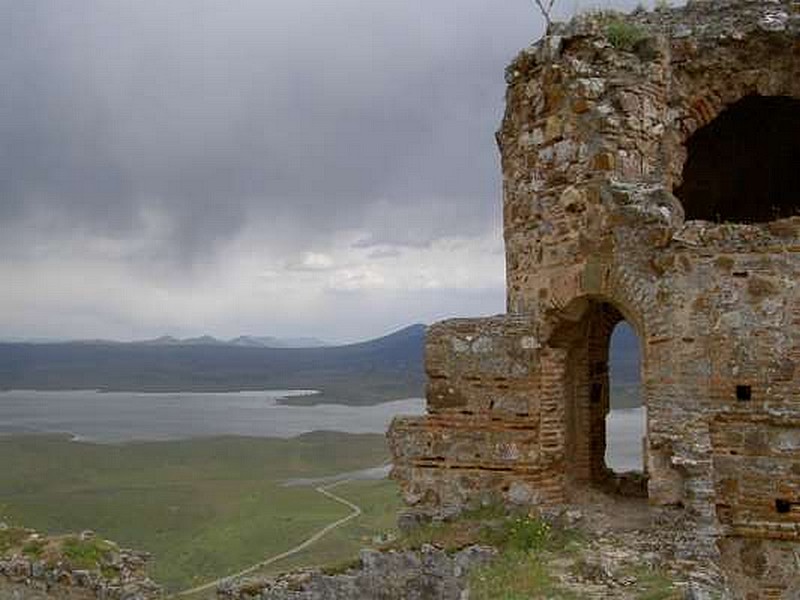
point(488, 436)
point(601, 119)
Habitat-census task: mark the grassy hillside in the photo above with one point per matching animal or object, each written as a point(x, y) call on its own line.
point(387, 368)
point(204, 508)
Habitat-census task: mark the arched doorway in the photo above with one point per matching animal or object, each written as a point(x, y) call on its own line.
point(586, 336)
point(742, 166)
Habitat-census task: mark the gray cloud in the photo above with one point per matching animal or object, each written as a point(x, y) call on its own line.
point(156, 144)
point(299, 114)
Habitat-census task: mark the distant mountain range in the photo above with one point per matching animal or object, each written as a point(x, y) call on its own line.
point(245, 341)
point(386, 368)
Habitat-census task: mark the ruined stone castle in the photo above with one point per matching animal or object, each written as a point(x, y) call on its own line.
point(651, 170)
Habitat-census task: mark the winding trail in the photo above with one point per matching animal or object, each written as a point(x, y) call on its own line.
point(325, 491)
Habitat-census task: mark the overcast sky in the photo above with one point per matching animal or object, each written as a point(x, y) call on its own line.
point(269, 167)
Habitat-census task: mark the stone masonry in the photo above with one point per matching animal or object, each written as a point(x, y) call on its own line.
point(651, 167)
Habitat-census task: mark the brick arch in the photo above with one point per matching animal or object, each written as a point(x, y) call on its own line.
point(696, 96)
point(576, 309)
point(741, 166)
point(583, 334)
point(704, 105)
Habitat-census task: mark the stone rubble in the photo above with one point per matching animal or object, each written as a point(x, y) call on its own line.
point(427, 574)
point(120, 576)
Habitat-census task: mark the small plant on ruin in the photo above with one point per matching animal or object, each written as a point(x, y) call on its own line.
point(34, 548)
point(527, 534)
point(624, 35)
point(521, 570)
point(85, 554)
point(11, 537)
point(514, 576)
point(663, 5)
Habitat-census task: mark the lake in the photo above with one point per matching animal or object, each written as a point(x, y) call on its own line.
point(116, 417)
point(113, 417)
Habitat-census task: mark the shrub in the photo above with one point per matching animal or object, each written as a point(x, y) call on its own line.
point(33, 548)
point(624, 35)
point(85, 554)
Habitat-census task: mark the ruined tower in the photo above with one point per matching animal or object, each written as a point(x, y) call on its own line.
point(651, 169)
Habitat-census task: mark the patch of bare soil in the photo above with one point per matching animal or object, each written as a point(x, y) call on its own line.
point(626, 553)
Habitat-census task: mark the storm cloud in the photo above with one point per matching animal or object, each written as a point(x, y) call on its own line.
point(258, 166)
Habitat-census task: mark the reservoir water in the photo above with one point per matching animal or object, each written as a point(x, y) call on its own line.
point(116, 417)
point(113, 417)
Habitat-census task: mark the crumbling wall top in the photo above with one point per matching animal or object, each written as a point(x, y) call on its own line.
point(699, 24)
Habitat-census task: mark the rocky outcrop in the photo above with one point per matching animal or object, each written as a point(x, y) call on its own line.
point(427, 574)
point(81, 566)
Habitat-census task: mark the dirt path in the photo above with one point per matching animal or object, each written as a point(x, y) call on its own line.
point(325, 491)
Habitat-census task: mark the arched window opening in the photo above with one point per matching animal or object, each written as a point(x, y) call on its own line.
point(742, 167)
point(625, 424)
point(604, 446)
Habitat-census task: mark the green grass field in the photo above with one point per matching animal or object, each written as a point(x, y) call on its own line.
point(204, 507)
